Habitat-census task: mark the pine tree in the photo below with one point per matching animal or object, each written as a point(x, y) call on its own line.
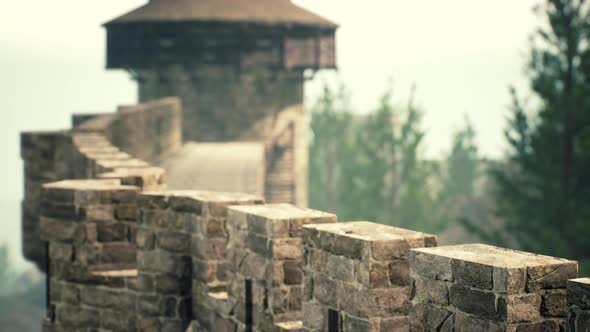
point(331, 127)
point(543, 191)
point(370, 167)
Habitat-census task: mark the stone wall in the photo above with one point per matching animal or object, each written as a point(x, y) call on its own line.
point(149, 131)
point(164, 261)
point(86, 152)
point(39, 152)
point(578, 298)
point(357, 276)
point(265, 264)
point(127, 255)
point(89, 236)
point(483, 288)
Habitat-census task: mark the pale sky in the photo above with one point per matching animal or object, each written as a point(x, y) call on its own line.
point(461, 54)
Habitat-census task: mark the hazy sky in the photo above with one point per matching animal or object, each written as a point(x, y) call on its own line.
point(461, 54)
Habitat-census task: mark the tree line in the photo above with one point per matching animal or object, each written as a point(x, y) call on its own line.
point(535, 198)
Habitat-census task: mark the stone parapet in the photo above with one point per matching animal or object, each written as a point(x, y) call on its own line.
point(88, 238)
point(478, 287)
point(578, 299)
point(356, 276)
point(265, 262)
point(209, 240)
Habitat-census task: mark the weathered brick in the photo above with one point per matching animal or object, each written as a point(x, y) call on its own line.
point(509, 280)
point(472, 274)
point(430, 291)
point(173, 241)
point(428, 317)
point(292, 272)
point(554, 303)
point(475, 302)
point(399, 272)
point(550, 276)
point(324, 290)
point(61, 231)
point(111, 231)
point(341, 268)
point(520, 308)
point(578, 293)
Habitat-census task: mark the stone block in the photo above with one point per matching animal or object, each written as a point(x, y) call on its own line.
point(126, 212)
point(186, 204)
point(111, 231)
point(398, 324)
point(315, 316)
point(430, 291)
point(290, 248)
point(163, 262)
point(292, 272)
point(554, 303)
point(173, 241)
point(553, 274)
point(472, 274)
point(428, 317)
point(525, 308)
point(325, 290)
point(75, 317)
point(118, 320)
point(61, 251)
point(399, 272)
point(145, 239)
point(54, 230)
point(580, 322)
point(464, 323)
point(106, 298)
point(509, 280)
point(368, 265)
point(578, 293)
point(355, 324)
point(489, 288)
point(341, 268)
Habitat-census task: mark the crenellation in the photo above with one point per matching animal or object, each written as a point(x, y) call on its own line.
point(265, 262)
point(124, 254)
point(477, 286)
point(356, 277)
point(81, 293)
point(578, 302)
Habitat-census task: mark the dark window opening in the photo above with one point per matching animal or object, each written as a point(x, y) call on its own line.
point(333, 321)
point(249, 307)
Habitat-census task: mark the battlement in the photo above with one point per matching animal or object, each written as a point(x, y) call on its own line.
point(125, 254)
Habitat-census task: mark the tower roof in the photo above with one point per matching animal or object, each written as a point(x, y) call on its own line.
point(270, 12)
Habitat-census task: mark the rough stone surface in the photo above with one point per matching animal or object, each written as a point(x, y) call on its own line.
point(273, 234)
point(360, 271)
point(578, 298)
point(483, 288)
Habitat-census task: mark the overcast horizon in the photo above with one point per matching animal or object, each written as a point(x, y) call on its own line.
point(462, 56)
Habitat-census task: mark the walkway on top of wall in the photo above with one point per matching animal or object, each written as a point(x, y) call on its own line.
point(235, 166)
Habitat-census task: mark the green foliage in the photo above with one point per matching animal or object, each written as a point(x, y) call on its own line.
point(331, 125)
point(544, 189)
point(371, 167)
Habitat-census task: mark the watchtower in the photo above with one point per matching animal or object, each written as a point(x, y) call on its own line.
point(232, 62)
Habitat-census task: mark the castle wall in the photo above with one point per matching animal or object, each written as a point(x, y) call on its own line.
point(477, 287)
point(86, 151)
point(578, 299)
point(265, 264)
point(149, 131)
point(357, 276)
point(127, 255)
point(88, 236)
